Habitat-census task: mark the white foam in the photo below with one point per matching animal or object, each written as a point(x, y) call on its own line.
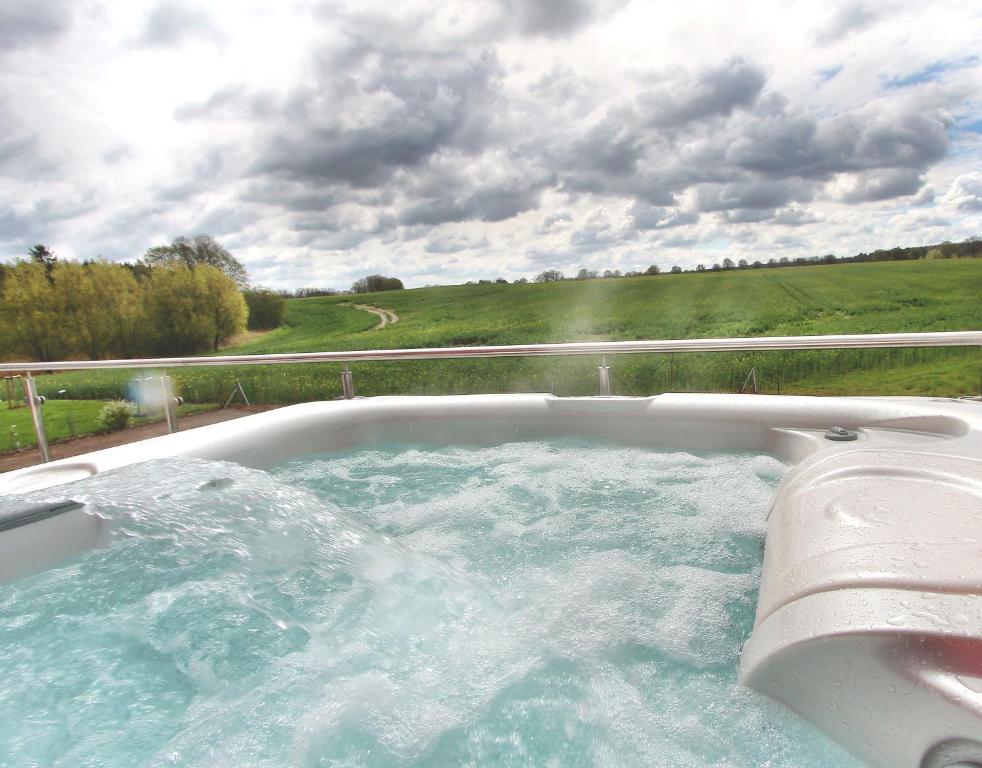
point(520, 604)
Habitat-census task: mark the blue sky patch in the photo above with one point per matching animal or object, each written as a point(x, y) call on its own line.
point(930, 73)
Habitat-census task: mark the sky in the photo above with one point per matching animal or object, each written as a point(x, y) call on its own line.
point(461, 140)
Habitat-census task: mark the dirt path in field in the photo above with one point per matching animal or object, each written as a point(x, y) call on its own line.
point(67, 448)
point(385, 316)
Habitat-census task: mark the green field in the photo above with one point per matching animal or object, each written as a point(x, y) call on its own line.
point(847, 298)
point(63, 419)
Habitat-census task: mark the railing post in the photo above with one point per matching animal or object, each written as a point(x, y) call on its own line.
point(35, 401)
point(347, 385)
point(170, 404)
point(604, 370)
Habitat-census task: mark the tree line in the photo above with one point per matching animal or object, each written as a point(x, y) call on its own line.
point(369, 284)
point(183, 298)
point(966, 249)
point(187, 297)
point(99, 310)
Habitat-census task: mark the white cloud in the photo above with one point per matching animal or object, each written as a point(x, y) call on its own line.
point(447, 142)
point(965, 193)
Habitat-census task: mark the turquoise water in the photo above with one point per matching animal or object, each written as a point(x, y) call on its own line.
point(534, 604)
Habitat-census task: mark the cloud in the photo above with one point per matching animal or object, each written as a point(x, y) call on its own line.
point(22, 225)
point(13, 150)
point(230, 102)
point(965, 193)
point(883, 184)
point(880, 135)
point(924, 196)
point(759, 194)
point(172, 22)
point(714, 91)
point(491, 187)
point(21, 150)
point(421, 136)
point(454, 243)
point(341, 134)
point(849, 18)
point(23, 25)
point(647, 216)
point(555, 18)
point(555, 222)
point(387, 112)
point(117, 154)
point(794, 217)
point(599, 230)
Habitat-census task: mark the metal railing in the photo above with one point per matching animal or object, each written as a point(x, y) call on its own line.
point(599, 348)
point(749, 344)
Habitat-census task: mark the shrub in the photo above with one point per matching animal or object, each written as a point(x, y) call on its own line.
point(115, 415)
point(266, 308)
point(374, 283)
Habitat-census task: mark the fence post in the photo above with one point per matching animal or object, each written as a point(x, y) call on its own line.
point(35, 401)
point(604, 370)
point(347, 385)
point(170, 404)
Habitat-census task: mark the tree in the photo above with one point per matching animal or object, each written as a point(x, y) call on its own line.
point(266, 308)
point(700, 267)
point(196, 251)
point(586, 274)
point(374, 283)
point(29, 313)
point(306, 293)
point(226, 310)
point(742, 264)
point(101, 304)
point(41, 254)
point(676, 270)
point(191, 310)
point(549, 276)
point(728, 263)
point(652, 270)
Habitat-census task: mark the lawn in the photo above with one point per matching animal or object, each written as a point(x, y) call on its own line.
point(64, 419)
point(846, 298)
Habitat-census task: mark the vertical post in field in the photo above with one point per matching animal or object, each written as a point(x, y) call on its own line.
point(35, 401)
point(604, 370)
point(170, 404)
point(347, 385)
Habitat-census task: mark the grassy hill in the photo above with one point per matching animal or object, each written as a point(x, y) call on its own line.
point(846, 298)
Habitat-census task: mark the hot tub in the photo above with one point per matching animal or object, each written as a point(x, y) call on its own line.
point(869, 616)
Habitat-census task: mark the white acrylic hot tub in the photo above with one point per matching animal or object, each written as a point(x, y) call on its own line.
point(869, 620)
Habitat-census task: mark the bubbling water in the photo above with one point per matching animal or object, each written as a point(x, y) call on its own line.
point(551, 603)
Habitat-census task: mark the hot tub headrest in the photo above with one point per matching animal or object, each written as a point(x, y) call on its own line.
point(18, 513)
